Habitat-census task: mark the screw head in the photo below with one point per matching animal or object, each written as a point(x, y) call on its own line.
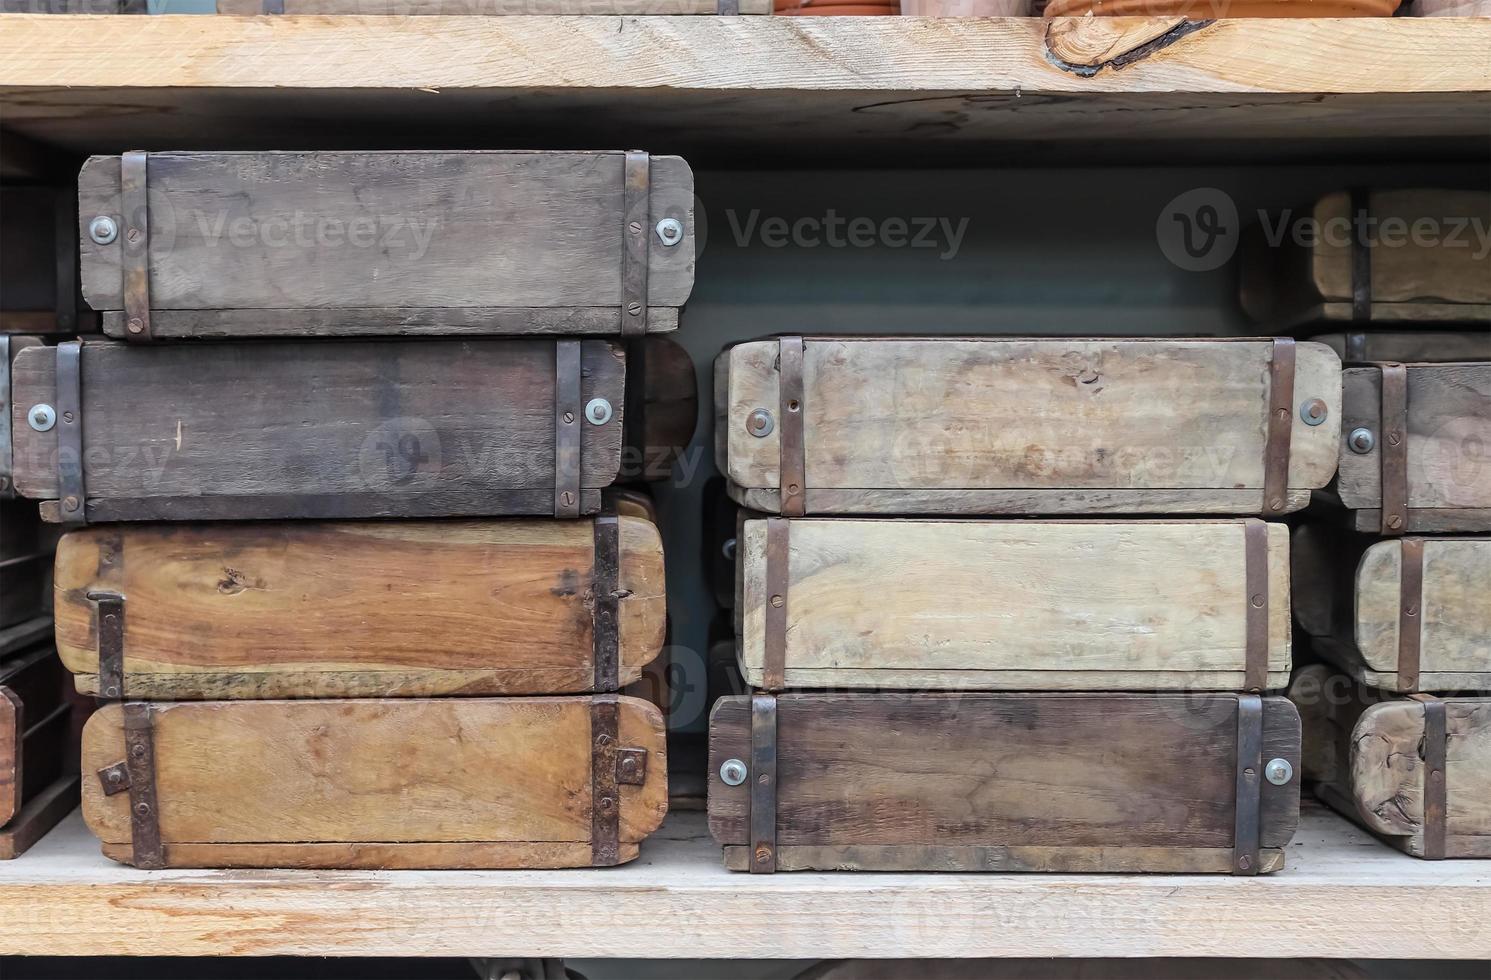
point(634, 309)
point(41, 417)
point(1395, 522)
point(1313, 412)
point(1278, 771)
point(1361, 441)
point(598, 411)
point(760, 423)
point(670, 231)
point(733, 772)
point(135, 325)
point(103, 229)
point(69, 503)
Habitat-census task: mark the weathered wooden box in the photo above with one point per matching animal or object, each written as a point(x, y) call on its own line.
point(364, 243)
point(442, 783)
point(822, 425)
point(38, 750)
point(1396, 256)
point(1405, 614)
point(493, 8)
point(1416, 347)
point(1416, 447)
point(1004, 782)
point(1015, 605)
point(360, 609)
point(310, 429)
point(1415, 770)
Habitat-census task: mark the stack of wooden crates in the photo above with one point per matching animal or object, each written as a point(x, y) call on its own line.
point(1393, 572)
point(280, 478)
point(1080, 691)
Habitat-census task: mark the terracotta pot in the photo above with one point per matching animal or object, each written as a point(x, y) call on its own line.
point(1216, 9)
point(965, 8)
point(1451, 8)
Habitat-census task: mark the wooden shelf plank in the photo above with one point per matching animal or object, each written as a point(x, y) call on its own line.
point(793, 86)
point(1339, 888)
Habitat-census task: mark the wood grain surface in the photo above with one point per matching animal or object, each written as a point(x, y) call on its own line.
point(1012, 605)
point(240, 778)
point(1419, 346)
point(356, 609)
point(1042, 772)
point(1455, 621)
point(955, 417)
point(413, 241)
point(311, 429)
point(491, 8)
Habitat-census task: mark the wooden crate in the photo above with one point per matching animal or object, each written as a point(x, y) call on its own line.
point(1402, 347)
point(1422, 261)
point(307, 429)
point(1003, 782)
point(1416, 447)
point(1413, 770)
point(442, 783)
point(493, 8)
point(38, 753)
point(1406, 614)
point(360, 609)
point(300, 244)
point(1015, 605)
point(1030, 426)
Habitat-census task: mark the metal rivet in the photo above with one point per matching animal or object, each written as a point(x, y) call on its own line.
point(1257, 601)
point(763, 854)
point(138, 752)
point(603, 740)
point(635, 309)
point(566, 498)
point(142, 809)
point(1313, 412)
point(760, 423)
point(135, 325)
point(728, 549)
point(1278, 771)
point(1395, 522)
point(1244, 863)
point(111, 691)
point(607, 804)
point(103, 230)
point(776, 601)
point(69, 503)
point(598, 411)
point(670, 231)
point(733, 772)
point(1361, 441)
point(41, 417)
point(1410, 610)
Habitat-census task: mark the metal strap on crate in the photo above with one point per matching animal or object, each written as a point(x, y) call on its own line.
point(1361, 258)
point(134, 245)
point(778, 563)
point(1280, 427)
point(567, 428)
point(7, 446)
point(792, 467)
point(71, 489)
point(605, 802)
point(1255, 575)
point(1410, 606)
point(763, 773)
point(1394, 448)
point(109, 616)
point(136, 774)
point(1433, 750)
point(605, 641)
point(636, 226)
point(1249, 799)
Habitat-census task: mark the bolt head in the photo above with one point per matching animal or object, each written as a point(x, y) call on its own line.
point(1278, 771)
point(1313, 412)
point(760, 423)
point(670, 231)
point(1361, 441)
point(728, 549)
point(733, 772)
point(41, 417)
point(598, 411)
point(103, 229)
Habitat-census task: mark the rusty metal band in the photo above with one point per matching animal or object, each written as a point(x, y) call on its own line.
point(567, 428)
point(71, 488)
point(65, 245)
point(605, 801)
point(134, 244)
point(778, 563)
point(1435, 749)
point(1410, 608)
point(763, 784)
point(1354, 347)
point(144, 809)
point(1255, 575)
point(1246, 835)
point(792, 468)
point(110, 629)
point(636, 221)
point(7, 445)
point(1361, 258)
point(1394, 448)
point(1279, 428)
point(605, 640)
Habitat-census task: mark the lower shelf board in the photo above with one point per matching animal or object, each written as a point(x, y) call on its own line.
point(677, 900)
